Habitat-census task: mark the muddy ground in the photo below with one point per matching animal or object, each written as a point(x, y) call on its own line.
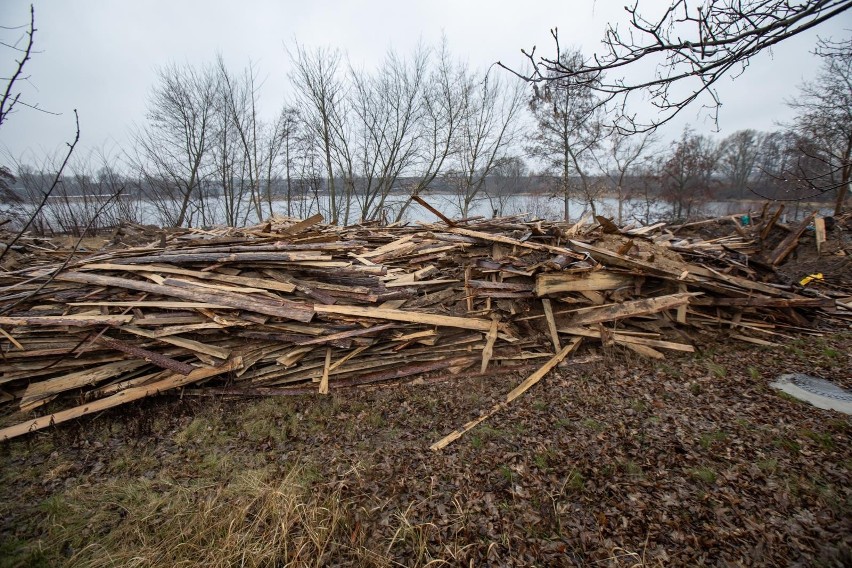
point(621, 462)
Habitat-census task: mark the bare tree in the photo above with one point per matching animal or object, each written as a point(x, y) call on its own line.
point(509, 179)
point(739, 154)
point(687, 175)
point(388, 107)
point(240, 101)
point(486, 130)
point(171, 150)
point(320, 94)
point(824, 125)
point(443, 104)
point(568, 130)
point(622, 161)
point(691, 44)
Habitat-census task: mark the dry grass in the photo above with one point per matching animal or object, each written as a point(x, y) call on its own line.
point(248, 522)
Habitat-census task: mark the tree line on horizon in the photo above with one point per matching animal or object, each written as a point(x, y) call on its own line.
point(349, 139)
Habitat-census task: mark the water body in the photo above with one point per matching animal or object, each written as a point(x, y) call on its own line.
point(533, 206)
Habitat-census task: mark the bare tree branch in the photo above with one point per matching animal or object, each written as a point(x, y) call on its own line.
point(697, 45)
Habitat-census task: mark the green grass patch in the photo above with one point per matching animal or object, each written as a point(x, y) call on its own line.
point(594, 425)
point(707, 440)
point(705, 475)
point(824, 441)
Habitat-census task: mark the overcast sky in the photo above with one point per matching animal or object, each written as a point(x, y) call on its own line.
point(100, 57)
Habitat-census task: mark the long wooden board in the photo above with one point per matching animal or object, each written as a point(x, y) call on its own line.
point(515, 393)
point(125, 396)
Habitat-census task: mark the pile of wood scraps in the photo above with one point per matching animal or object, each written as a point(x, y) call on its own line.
point(295, 307)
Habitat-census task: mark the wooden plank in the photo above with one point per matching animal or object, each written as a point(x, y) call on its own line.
point(190, 344)
point(558, 282)
point(303, 224)
point(528, 383)
point(128, 395)
point(516, 243)
point(165, 304)
point(629, 338)
point(790, 242)
point(819, 230)
point(423, 203)
point(11, 339)
point(239, 280)
point(157, 359)
point(323, 387)
point(632, 308)
point(488, 350)
point(551, 324)
point(284, 309)
point(75, 320)
point(41, 389)
point(410, 317)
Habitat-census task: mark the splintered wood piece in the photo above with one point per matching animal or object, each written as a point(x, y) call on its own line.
point(551, 324)
point(681, 310)
point(296, 228)
point(79, 320)
point(819, 231)
point(37, 392)
point(575, 228)
point(284, 308)
point(157, 359)
point(632, 308)
point(346, 334)
point(764, 232)
point(644, 350)
point(516, 243)
point(190, 344)
point(410, 317)
point(557, 282)
point(625, 338)
point(488, 350)
point(323, 387)
point(790, 242)
point(515, 393)
point(128, 395)
point(239, 280)
point(432, 210)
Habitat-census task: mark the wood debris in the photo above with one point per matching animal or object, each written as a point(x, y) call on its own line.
point(294, 307)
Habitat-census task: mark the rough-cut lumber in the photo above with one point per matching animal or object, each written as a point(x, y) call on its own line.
point(286, 309)
point(239, 280)
point(515, 393)
point(402, 315)
point(157, 359)
point(488, 350)
point(625, 338)
point(71, 320)
point(551, 324)
point(39, 390)
point(790, 242)
point(516, 243)
point(556, 282)
point(125, 396)
point(819, 232)
point(633, 308)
